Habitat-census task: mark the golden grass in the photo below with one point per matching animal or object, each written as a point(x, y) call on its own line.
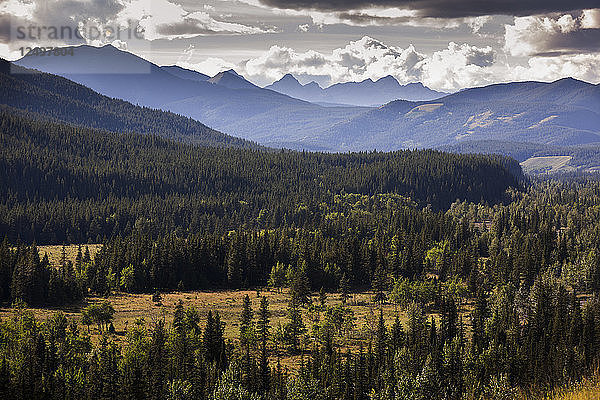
point(55, 252)
point(586, 390)
point(131, 307)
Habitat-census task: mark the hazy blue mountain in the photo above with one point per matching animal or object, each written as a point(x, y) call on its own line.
point(50, 97)
point(289, 85)
point(561, 113)
point(226, 102)
point(185, 73)
point(365, 93)
point(232, 80)
point(116, 73)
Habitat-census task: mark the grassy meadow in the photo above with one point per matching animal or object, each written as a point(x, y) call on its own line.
point(132, 307)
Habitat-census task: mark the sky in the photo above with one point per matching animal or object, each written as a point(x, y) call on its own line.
point(445, 44)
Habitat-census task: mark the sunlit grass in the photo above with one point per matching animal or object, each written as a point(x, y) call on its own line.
point(584, 390)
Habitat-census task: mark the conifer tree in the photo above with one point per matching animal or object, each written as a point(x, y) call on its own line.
point(262, 330)
point(295, 327)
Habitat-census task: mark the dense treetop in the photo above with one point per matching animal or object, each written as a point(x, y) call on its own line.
point(67, 183)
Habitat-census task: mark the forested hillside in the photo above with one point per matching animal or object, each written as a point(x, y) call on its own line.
point(496, 302)
point(69, 184)
point(53, 97)
point(493, 280)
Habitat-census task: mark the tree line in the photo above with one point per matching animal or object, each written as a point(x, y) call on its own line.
point(68, 184)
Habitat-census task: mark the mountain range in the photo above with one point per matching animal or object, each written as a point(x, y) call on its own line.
point(365, 93)
point(565, 112)
point(556, 117)
point(49, 97)
point(225, 102)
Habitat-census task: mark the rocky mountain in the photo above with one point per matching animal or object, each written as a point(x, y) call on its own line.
point(226, 102)
point(365, 93)
point(561, 113)
point(514, 115)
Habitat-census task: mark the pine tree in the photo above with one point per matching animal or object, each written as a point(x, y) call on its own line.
point(478, 318)
point(295, 328)
point(299, 285)
point(262, 330)
point(246, 337)
point(344, 288)
point(246, 328)
point(381, 339)
point(380, 284)
point(322, 297)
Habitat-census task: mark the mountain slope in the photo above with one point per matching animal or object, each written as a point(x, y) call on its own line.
point(231, 80)
point(116, 73)
point(53, 97)
point(225, 102)
point(185, 73)
point(562, 113)
point(365, 93)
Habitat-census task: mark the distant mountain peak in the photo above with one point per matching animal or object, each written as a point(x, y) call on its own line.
point(368, 92)
point(312, 84)
point(570, 81)
point(288, 76)
point(232, 80)
point(387, 78)
point(232, 71)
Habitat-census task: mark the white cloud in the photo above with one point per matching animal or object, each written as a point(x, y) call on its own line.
point(210, 66)
point(8, 53)
point(476, 23)
point(541, 35)
point(156, 19)
point(590, 19)
point(580, 66)
point(456, 67)
point(17, 8)
point(162, 19)
point(459, 66)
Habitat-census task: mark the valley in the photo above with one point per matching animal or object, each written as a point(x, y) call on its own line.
point(170, 234)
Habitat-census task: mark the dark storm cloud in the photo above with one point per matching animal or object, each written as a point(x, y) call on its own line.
point(586, 40)
point(443, 8)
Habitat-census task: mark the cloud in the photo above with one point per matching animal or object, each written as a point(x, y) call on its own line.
point(456, 67)
point(210, 66)
point(580, 66)
point(439, 8)
point(380, 17)
point(303, 28)
point(590, 19)
point(545, 36)
point(476, 23)
point(459, 66)
point(372, 16)
point(162, 19)
point(154, 19)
